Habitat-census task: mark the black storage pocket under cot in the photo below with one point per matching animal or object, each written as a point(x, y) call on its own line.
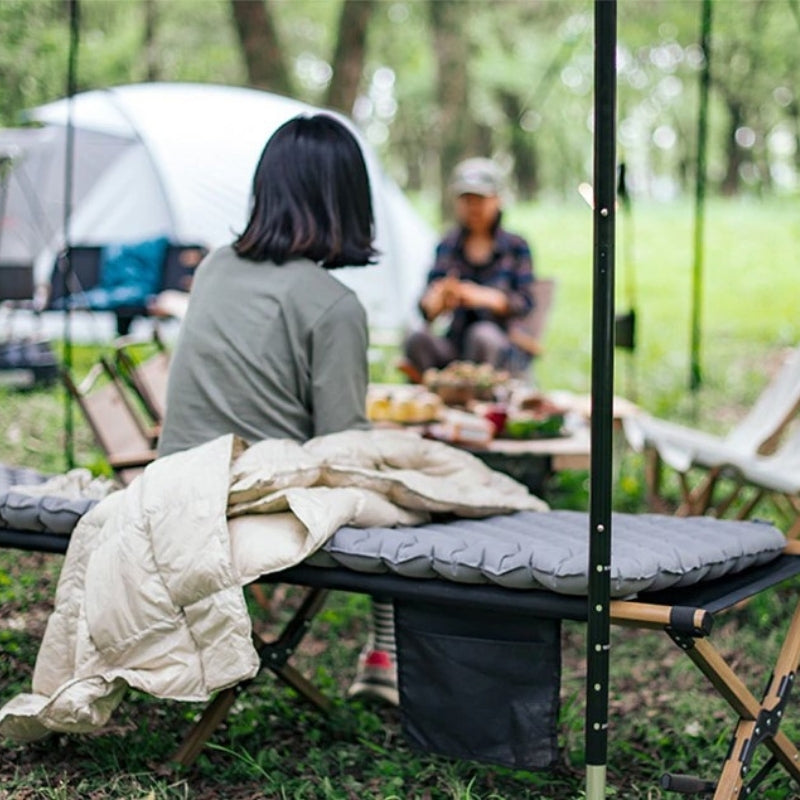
point(479, 685)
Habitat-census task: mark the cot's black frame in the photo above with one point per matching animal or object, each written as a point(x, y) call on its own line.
point(685, 614)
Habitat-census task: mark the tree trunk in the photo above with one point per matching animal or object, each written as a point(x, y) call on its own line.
point(523, 150)
point(261, 49)
point(152, 71)
point(733, 153)
point(350, 55)
point(453, 129)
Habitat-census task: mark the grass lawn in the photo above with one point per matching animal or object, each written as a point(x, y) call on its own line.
point(749, 294)
point(662, 715)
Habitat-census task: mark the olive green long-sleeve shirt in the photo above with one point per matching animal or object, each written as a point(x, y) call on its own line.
point(266, 351)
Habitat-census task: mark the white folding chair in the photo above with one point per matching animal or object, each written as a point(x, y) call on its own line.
point(684, 448)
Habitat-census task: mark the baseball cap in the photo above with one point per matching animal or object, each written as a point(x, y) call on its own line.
point(476, 176)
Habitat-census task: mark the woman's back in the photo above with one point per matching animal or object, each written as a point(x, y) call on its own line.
point(266, 351)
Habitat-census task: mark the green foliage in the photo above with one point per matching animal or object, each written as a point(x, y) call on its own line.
point(530, 80)
point(33, 56)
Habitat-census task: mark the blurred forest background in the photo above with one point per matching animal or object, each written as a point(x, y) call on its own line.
point(432, 81)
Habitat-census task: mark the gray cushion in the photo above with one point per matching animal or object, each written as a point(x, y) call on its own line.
point(17, 476)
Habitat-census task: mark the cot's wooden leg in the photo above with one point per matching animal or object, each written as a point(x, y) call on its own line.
point(758, 722)
point(214, 713)
point(274, 656)
point(289, 675)
point(260, 596)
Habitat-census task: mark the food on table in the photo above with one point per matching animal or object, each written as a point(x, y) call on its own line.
point(529, 426)
point(462, 381)
point(540, 405)
point(497, 415)
point(403, 405)
point(528, 415)
point(461, 427)
point(379, 409)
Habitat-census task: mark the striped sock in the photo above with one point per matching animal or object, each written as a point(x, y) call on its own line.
point(383, 626)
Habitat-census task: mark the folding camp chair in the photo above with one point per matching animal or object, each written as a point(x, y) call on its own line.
point(147, 375)
point(685, 449)
point(75, 277)
point(117, 427)
point(774, 477)
point(527, 334)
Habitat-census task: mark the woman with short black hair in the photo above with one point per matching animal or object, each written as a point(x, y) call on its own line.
point(311, 198)
point(272, 345)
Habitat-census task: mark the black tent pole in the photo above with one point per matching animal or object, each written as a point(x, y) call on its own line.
point(695, 375)
point(66, 262)
point(598, 629)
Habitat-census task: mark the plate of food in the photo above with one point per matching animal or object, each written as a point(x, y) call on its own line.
point(403, 407)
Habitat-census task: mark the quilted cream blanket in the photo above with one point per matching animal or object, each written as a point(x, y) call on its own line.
point(150, 594)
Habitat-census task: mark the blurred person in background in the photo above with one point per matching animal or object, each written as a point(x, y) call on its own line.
point(481, 280)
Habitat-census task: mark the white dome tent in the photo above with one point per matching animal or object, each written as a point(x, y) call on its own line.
point(177, 159)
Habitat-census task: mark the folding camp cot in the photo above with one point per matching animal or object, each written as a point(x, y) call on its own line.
point(487, 596)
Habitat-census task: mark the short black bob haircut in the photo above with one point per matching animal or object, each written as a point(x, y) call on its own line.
point(311, 197)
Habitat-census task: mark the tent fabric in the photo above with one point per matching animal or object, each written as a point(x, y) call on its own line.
point(33, 184)
point(177, 160)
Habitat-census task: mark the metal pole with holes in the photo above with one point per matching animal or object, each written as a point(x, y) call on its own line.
point(598, 630)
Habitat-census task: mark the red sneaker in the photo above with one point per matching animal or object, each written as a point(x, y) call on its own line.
point(376, 677)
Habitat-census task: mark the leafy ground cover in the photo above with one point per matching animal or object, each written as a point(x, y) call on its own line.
point(662, 715)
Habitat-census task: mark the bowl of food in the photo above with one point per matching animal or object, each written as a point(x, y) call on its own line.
point(461, 382)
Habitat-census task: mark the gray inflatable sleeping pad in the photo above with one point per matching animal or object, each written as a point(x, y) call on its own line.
point(549, 550)
point(526, 550)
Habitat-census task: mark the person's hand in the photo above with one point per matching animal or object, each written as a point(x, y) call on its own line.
point(473, 295)
point(451, 292)
point(439, 297)
point(433, 301)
